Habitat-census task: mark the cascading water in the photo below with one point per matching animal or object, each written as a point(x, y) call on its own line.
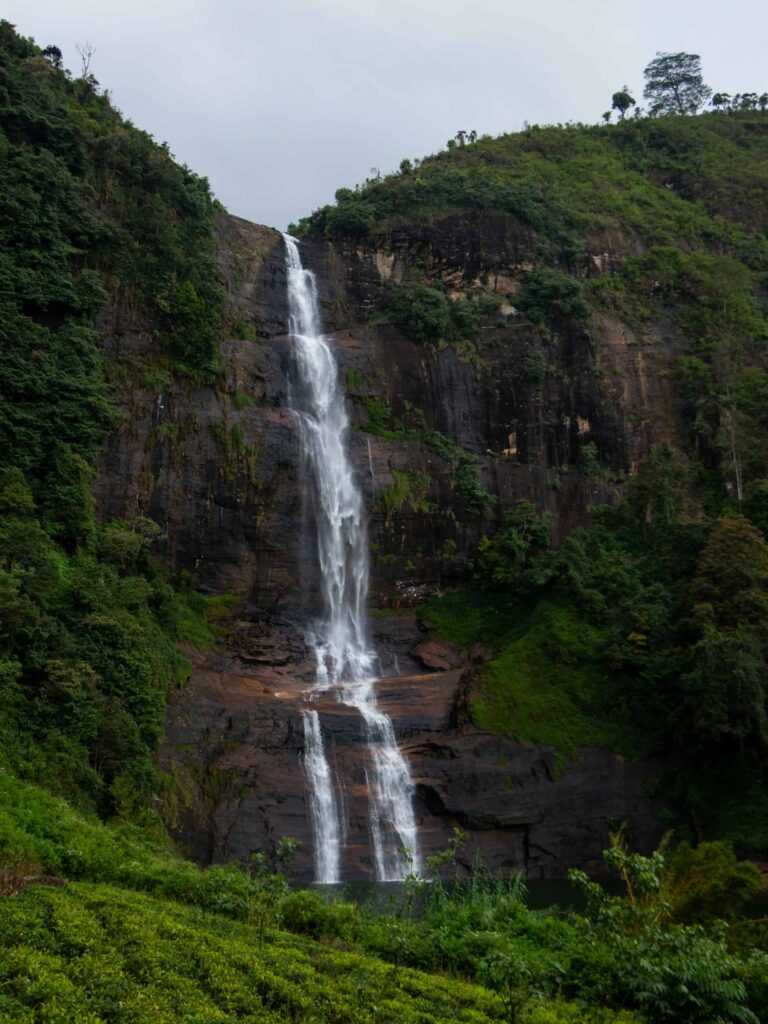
point(323, 809)
point(345, 661)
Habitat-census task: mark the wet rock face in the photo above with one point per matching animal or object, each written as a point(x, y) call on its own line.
point(220, 470)
point(235, 743)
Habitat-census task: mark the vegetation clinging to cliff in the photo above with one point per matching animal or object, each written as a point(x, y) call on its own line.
point(674, 208)
point(647, 632)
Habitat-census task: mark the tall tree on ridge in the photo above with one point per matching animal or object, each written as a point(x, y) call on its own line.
point(673, 84)
point(622, 101)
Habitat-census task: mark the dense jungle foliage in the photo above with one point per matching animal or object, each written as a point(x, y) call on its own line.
point(646, 634)
point(91, 210)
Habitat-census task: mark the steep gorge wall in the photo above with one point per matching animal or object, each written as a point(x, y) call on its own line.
point(219, 469)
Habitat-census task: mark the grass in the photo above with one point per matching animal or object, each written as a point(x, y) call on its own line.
point(43, 834)
point(549, 681)
point(201, 619)
point(467, 617)
point(551, 685)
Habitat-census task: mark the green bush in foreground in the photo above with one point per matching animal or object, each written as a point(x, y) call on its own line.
point(624, 952)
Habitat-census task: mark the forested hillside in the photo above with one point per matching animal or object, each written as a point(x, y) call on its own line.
point(90, 206)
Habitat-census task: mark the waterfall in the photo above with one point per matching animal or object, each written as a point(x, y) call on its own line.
point(322, 806)
point(344, 659)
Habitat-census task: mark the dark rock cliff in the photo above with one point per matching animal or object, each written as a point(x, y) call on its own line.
point(219, 469)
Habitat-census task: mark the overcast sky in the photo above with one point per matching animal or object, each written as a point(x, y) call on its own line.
point(282, 102)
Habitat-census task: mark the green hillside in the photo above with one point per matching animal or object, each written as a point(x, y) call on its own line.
point(132, 934)
point(90, 208)
point(647, 632)
point(675, 180)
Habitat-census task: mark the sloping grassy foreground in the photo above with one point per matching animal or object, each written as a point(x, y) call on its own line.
point(43, 834)
point(132, 934)
point(91, 953)
point(148, 938)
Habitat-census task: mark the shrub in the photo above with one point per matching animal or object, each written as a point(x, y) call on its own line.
point(308, 913)
point(547, 294)
point(355, 217)
point(708, 882)
point(504, 559)
point(423, 313)
point(535, 367)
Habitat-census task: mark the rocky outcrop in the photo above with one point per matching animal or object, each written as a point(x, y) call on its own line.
point(219, 469)
point(235, 740)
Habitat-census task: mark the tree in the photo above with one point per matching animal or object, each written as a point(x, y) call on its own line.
point(673, 973)
point(269, 885)
point(673, 84)
point(728, 438)
point(461, 137)
point(730, 588)
point(86, 53)
point(622, 101)
point(423, 313)
point(708, 882)
point(351, 218)
point(658, 494)
point(507, 559)
point(512, 979)
point(550, 293)
point(725, 701)
point(725, 693)
point(721, 100)
point(53, 54)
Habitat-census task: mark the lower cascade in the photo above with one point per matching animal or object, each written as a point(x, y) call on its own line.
point(345, 661)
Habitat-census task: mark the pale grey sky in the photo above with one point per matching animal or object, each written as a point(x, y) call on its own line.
point(281, 102)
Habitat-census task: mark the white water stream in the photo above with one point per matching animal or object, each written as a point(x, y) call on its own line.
point(323, 808)
point(345, 661)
